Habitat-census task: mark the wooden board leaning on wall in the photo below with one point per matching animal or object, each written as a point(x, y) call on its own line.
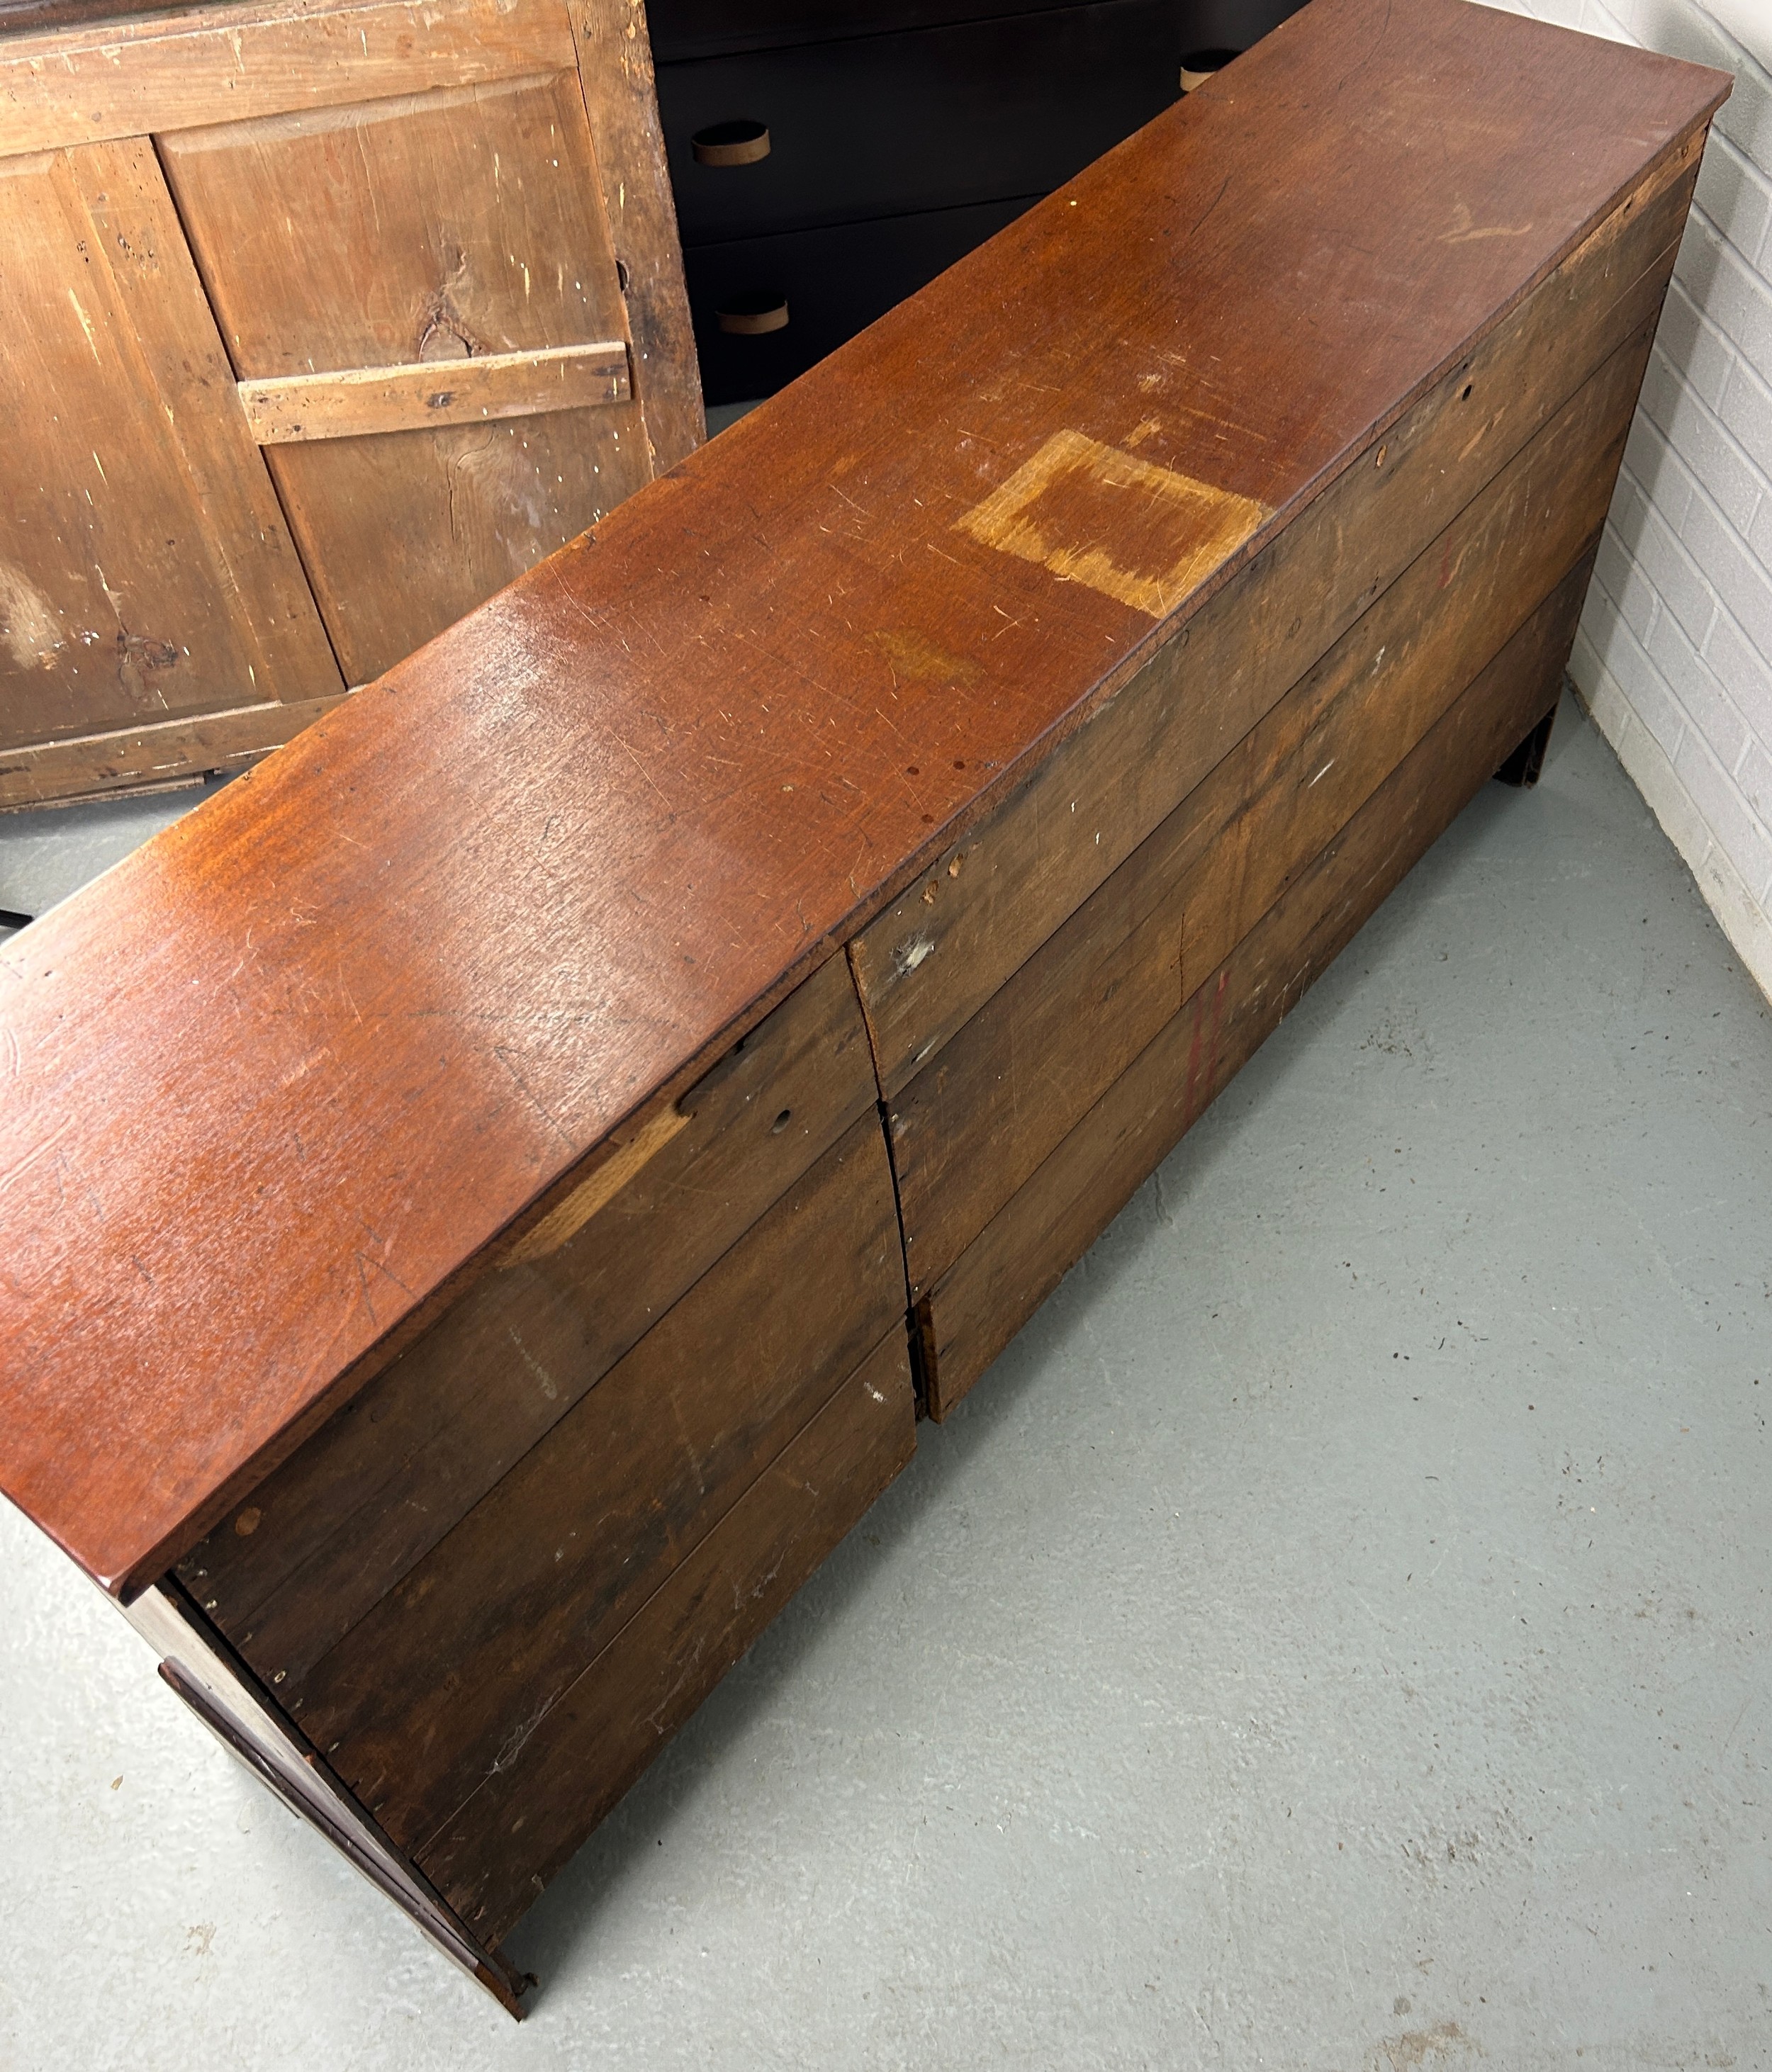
point(333, 320)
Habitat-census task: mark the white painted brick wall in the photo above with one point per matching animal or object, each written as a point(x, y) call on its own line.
point(1674, 656)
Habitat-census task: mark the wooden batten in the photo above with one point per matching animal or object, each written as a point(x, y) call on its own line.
point(359, 401)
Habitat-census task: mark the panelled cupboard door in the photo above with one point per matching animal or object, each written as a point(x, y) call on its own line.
point(418, 233)
point(145, 571)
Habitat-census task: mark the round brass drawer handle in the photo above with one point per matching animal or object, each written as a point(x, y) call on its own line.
point(731, 144)
point(750, 316)
point(1198, 67)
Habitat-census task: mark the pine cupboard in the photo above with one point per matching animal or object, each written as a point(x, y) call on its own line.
point(487, 1195)
point(323, 322)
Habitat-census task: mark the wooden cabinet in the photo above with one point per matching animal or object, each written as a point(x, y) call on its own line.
point(885, 142)
point(486, 1192)
point(327, 324)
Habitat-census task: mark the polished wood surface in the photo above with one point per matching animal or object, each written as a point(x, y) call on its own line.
point(278, 1084)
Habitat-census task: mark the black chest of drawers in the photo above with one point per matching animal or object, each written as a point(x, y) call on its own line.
point(829, 160)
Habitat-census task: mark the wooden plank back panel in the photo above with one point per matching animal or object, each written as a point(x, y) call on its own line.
point(421, 1700)
point(545, 873)
point(145, 571)
point(322, 1541)
point(987, 1109)
point(391, 233)
point(498, 1850)
point(1016, 1261)
point(933, 957)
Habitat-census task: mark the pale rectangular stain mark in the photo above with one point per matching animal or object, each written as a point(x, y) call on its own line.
point(1142, 534)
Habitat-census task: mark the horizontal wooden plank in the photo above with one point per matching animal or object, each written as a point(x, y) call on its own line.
point(322, 1541)
point(284, 409)
point(222, 64)
point(135, 758)
point(982, 1115)
point(1023, 1253)
point(529, 1816)
point(416, 1704)
point(395, 985)
point(934, 956)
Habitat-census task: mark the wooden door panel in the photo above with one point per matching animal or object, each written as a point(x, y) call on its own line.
point(436, 228)
point(404, 533)
point(145, 571)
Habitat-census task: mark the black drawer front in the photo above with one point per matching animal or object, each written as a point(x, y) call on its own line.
point(710, 28)
point(834, 282)
point(885, 126)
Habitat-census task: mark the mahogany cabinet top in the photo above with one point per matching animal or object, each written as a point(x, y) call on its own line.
point(272, 1082)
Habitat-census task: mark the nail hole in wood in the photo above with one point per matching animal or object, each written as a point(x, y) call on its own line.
point(781, 1122)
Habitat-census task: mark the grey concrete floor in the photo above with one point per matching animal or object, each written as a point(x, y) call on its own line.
point(1335, 1636)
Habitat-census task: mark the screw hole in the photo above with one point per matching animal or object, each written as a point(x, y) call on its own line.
point(781, 1122)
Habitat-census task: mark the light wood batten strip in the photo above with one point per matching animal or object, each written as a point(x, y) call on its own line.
point(566, 1218)
point(226, 63)
point(282, 409)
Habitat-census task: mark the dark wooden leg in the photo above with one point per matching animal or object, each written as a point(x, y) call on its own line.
point(1522, 767)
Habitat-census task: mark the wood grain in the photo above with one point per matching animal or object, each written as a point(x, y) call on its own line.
point(419, 1701)
point(932, 958)
point(972, 1126)
point(159, 73)
point(498, 1849)
point(460, 223)
point(546, 872)
point(1023, 1253)
point(285, 408)
point(145, 571)
point(323, 1540)
point(616, 71)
